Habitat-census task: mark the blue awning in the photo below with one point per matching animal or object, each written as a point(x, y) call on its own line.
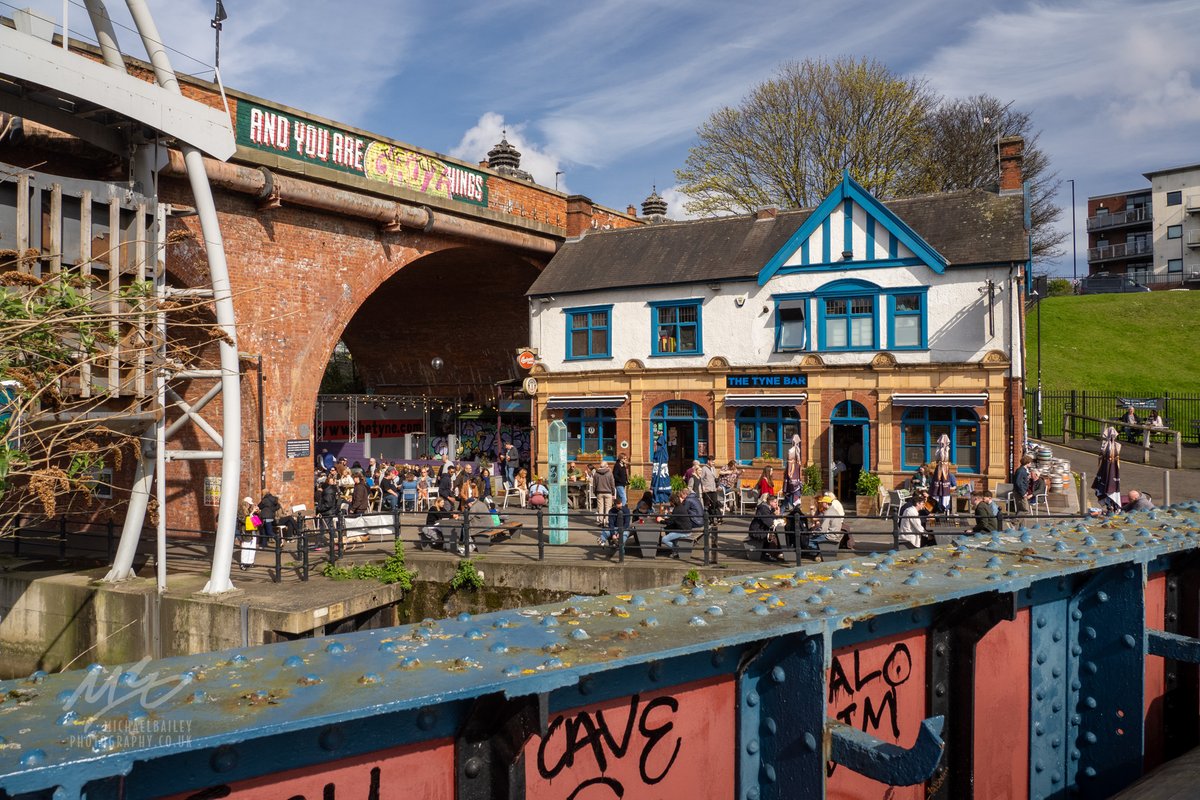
point(587, 401)
point(939, 400)
point(765, 400)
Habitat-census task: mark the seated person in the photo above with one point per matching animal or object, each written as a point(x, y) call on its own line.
point(832, 515)
point(762, 528)
point(618, 523)
point(437, 523)
point(644, 507)
point(911, 528)
point(390, 490)
point(920, 479)
point(986, 518)
point(539, 494)
point(797, 524)
point(408, 489)
point(1131, 419)
point(1138, 501)
point(687, 515)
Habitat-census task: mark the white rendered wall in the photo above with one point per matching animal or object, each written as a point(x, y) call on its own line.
point(1187, 183)
point(956, 308)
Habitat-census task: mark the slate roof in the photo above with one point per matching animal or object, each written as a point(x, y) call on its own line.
point(966, 227)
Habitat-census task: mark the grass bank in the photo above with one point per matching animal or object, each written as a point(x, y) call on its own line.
point(1143, 343)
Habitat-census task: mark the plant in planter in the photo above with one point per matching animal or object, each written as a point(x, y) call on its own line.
point(810, 486)
point(867, 494)
point(637, 483)
point(593, 457)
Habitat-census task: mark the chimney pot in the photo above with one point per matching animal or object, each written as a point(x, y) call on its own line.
point(631, 210)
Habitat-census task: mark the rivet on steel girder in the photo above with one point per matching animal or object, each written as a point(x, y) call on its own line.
point(650, 622)
point(473, 633)
point(410, 662)
point(697, 622)
point(463, 617)
point(752, 699)
point(549, 621)
point(759, 610)
point(714, 611)
point(679, 600)
point(223, 759)
point(335, 648)
point(579, 634)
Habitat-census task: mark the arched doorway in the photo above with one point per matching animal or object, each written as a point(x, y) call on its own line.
point(686, 427)
point(849, 445)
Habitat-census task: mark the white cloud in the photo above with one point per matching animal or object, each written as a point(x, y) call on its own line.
point(485, 134)
point(312, 55)
point(676, 204)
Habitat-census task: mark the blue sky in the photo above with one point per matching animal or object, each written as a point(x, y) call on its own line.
point(611, 92)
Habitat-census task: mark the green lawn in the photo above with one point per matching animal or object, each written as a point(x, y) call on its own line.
point(1143, 343)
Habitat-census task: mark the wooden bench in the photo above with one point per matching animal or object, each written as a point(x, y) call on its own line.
point(486, 538)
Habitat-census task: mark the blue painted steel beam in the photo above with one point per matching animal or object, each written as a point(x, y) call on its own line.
point(886, 762)
point(1173, 645)
point(54, 726)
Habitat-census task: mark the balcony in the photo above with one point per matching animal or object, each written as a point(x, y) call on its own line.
point(1193, 239)
point(1112, 252)
point(1192, 204)
point(1118, 219)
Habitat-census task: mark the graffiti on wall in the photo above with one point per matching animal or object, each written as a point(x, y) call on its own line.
point(275, 131)
point(878, 687)
point(476, 438)
point(645, 745)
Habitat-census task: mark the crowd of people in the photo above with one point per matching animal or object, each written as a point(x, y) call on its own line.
point(446, 491)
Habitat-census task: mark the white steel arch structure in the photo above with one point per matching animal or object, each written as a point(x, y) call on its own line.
point(121, 113)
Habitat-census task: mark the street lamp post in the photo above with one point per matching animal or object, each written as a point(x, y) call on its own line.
point(1039, 366)
point(437, 364)
point(1074, 243)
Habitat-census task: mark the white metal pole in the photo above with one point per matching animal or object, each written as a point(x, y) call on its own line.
point(231, 467)
point(160, 391)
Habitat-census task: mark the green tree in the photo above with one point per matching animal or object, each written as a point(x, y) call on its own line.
point(788, 141)
point(961, 154)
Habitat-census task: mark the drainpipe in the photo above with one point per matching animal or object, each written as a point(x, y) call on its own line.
point(266, 185)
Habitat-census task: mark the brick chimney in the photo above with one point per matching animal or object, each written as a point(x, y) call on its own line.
point(579, 214)
point(1012, 157)
point(766, 212)
point(631, 210)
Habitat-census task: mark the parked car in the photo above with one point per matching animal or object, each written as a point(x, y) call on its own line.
point(1104, 283)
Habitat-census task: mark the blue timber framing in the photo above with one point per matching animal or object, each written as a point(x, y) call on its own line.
point(487, 683)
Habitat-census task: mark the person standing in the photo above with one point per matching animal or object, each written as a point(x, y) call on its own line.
point(1023, 485)
point(621, 478)
point(268, 512)
point(604, 487)
point(511, 462)
point(708, 489)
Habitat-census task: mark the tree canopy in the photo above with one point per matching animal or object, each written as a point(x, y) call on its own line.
point(788, 141)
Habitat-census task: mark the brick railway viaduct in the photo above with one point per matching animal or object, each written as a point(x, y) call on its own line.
point(333, 233)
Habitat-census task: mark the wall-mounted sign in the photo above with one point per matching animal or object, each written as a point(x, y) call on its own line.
point(212, 491)
point(525, 359)
point(338, 430)
point(530, 385)
point(299, 448)
point(273, 131)
point(796, 380)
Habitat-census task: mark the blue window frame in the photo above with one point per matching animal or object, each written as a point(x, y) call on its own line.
point(591, 429)
point(764, 432)
point(589, 332)
point(906, 320)
point(676, 329)
point(921, 428)
point(848, 323)
point(791, 323)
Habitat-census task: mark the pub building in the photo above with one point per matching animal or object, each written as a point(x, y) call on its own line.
point(868, 328)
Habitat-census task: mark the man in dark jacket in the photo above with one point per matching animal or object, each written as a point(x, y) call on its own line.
point(686, 516)
point(621, 478)
point(268, 512)
point(762, 528)
point(446, 484)
point(327, 505)
point(358, 497)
